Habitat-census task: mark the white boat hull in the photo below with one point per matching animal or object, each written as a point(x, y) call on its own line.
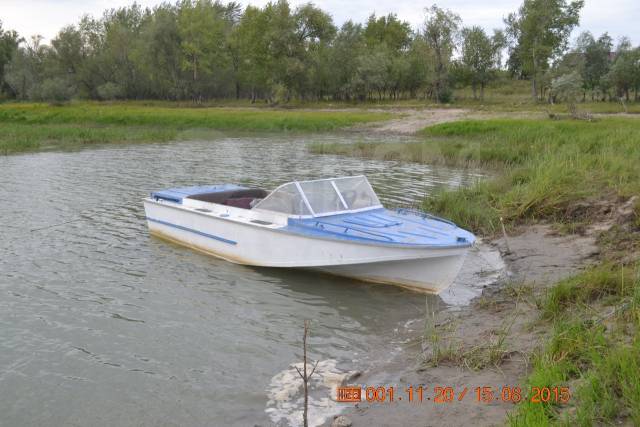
point(425, 269)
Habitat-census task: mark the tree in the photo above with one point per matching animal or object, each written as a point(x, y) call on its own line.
point(421, 67)
point(201, 29)
point(314, 31)
point(624, 71)
point(539, 31)
point(96, 69)
point(253, 59)
point(371, 75)
point(568, 88)
point(121, 32)
point(9, 41)
point(441, 34)
point(158, 54)
point(387, 30)
point(25, 73)
point(348, 46)
point(597, 61)
point(480, 56)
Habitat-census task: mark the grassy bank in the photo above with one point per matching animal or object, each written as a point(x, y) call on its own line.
point(135, 114)
point(572, 174)
point(546, 167)
point(594, 349)
point(29, 127)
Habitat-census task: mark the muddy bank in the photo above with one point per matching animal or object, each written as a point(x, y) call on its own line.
point(487, 343)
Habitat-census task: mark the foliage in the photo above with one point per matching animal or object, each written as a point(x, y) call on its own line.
point(480, 57)
point(55, 89)
point(24, 73)
point(9, 41)
point(596, 61)
point(539, 31)
point(624, 74)
point(568, 88)
point(203, 50)
point(441, 34)
point(110, 91)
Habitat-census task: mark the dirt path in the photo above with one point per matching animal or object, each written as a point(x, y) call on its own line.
point(412, 121)
point(486, 344)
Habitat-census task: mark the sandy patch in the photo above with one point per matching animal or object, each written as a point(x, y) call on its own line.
point(411, 121)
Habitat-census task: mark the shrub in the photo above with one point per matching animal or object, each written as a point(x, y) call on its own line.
point(110, 91)
point(54, 90)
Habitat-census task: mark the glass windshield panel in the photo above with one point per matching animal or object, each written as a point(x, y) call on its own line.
point(357, 192)
point(322, 196)
point(286, 199)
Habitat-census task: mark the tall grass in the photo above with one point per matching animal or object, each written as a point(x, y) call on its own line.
point(598, 358)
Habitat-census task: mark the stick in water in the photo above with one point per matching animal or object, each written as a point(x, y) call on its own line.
point(305, 377)
point(504, 233)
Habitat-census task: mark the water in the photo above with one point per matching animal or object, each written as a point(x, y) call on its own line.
point(102, 325)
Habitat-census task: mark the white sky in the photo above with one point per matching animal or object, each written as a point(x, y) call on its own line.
point(618, 17)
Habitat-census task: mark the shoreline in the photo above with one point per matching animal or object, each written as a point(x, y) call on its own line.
point(537, 258)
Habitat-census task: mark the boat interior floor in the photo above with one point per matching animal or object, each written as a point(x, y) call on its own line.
point(243, 198)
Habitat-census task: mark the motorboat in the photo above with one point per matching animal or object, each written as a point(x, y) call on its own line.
point(335, 225)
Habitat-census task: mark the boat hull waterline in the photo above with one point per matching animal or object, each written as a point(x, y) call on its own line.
point(417, 267)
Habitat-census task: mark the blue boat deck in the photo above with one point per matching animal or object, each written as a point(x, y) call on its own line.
point(177, 194)
point(383, 226)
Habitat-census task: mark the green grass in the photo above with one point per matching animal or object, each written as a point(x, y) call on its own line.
point(598, 358)
point(549, 168)
point(596, 284)
point(563, 172)
point(544, 167)
point(135, 114)
point(507, 95)
point(30, 127)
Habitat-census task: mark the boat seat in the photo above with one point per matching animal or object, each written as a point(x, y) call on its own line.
point(240, 202)
point(222, 197)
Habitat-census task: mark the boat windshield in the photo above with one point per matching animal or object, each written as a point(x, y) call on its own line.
point(321, 197)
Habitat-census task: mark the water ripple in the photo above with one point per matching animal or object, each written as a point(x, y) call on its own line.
point(171, 336)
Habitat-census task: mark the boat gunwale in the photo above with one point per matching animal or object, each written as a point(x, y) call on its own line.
point(286, 230)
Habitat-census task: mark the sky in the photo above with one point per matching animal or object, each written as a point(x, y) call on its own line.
point(618, 17)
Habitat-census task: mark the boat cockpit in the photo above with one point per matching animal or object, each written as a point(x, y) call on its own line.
point(299, 199)
point(241, 198)
point(321, 197)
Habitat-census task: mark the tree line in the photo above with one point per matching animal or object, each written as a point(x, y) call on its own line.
point(204, 49)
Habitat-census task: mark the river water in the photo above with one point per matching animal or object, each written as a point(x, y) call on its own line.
point(103, 325)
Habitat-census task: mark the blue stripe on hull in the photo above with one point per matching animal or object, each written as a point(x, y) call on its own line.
point(191, 230)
